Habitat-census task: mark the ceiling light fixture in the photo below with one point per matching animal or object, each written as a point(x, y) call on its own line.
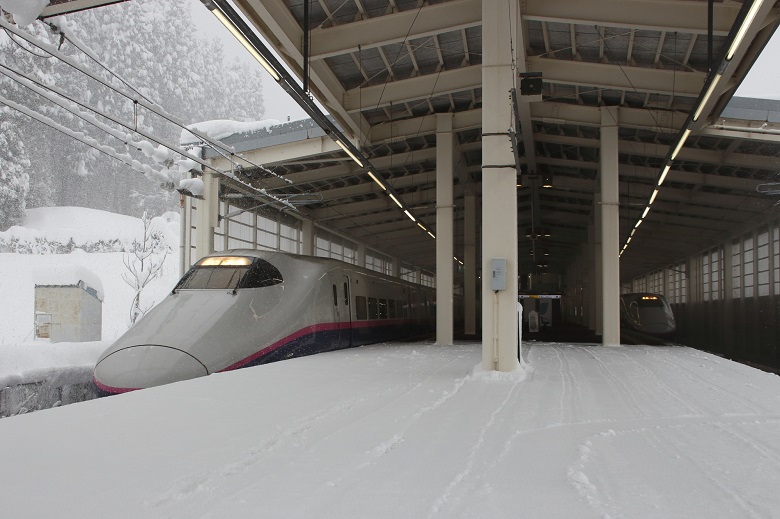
point(241, 39)
point(396, 200)
point(347, 150)
point(743, 28)
point(370, 174)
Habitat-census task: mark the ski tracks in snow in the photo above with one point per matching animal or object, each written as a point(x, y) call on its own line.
point(186, 488)
point(445, 496)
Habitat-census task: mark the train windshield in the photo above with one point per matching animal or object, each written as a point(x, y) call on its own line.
point(650, 301)
point(230, 272)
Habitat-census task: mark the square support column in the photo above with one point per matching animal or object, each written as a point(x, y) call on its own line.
point(590, 280)
point(445, 163)
point(307, 238)
point(470, 263)
point(499, 187)
point(610, 225)
point(598, 262)
point(207, 216)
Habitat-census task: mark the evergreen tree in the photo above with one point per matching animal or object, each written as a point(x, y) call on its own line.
point(14, 180)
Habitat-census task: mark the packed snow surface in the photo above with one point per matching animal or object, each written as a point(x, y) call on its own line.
point(414, 431)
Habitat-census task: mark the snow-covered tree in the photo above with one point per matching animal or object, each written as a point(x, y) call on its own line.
point(144, 263)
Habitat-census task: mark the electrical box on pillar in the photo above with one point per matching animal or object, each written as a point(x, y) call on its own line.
point(498, 275)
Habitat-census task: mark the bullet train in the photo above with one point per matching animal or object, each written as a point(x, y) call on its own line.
point(242, 308)
point(647, 313)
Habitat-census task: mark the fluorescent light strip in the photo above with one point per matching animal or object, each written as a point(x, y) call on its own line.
point(743, 28)
point(647, 210)
point(652, 197)
point(370, 174)
point(352, 155)
point(633, 231)
point(395, 200)
point(410, 215)
point(432, 236)
point(663, 174)
point(638, 223)
point(248, 46)
point(684, 137)
point(706, 97)
point(628, 241)
point(421, 226)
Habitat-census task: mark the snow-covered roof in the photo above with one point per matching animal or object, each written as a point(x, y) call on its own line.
point(68, 275)
point(252, 136)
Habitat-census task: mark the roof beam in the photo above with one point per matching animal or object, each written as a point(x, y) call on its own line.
point(394, 28)
point(283, 153)
point(412, 89)
point(72, 6)
point(618, 77)
point(650, 149)
point(650, 15)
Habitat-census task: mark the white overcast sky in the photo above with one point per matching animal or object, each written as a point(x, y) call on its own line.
point(763, 81)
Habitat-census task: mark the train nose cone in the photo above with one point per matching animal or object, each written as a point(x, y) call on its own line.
point(145, 366)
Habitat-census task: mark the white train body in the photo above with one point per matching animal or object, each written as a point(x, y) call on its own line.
point(647, 313)
point(245, 307)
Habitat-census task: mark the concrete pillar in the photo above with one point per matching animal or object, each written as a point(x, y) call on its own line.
point(184, 242)
point(207, 215)
point(361, 255)
point(470, 263)
point(499, 191)
point(445, 162)
point(598, 270)
point(590, 277)
point(395, 267)
point(418, 277)
point(610, 224)
point(307, 238)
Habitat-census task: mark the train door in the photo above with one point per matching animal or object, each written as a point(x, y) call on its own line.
point(346, 328)
point(342, 319)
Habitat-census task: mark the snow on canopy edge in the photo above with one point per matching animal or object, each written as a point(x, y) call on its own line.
point(220, 128)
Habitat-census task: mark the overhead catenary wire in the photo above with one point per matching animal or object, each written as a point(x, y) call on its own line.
point(155, 108)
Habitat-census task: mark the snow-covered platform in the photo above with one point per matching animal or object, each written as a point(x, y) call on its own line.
point(412, 430)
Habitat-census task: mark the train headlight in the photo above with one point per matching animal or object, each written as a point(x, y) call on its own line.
point(225, 261)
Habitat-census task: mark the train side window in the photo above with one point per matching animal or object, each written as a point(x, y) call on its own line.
point(383, 308)
point(335, 296)
point(360, 308)
point(346, 294)
point(261, 274)
point(373, 308)
point(391, 308)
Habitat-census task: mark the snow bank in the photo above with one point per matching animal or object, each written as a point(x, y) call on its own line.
point(63, 229)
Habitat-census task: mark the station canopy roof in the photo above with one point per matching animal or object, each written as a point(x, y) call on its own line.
point(383, 69)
